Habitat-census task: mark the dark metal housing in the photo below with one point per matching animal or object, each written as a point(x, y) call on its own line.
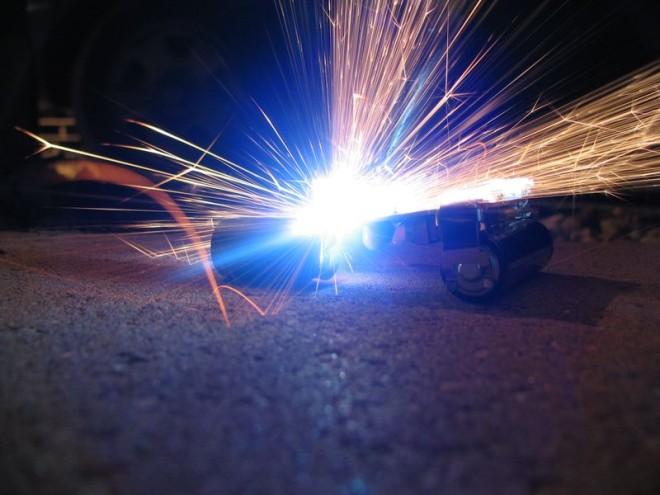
point(489, 247)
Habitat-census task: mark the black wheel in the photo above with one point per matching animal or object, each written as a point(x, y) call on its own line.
point(480, 283)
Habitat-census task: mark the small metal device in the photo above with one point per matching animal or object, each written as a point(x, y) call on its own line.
point(487, 247)
point(260, 252)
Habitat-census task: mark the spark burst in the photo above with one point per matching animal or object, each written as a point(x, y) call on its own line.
point(407, 131)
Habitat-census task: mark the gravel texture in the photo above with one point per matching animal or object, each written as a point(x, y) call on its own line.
point(118, 376)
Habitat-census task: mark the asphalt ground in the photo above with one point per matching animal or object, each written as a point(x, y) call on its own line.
point(117, 375)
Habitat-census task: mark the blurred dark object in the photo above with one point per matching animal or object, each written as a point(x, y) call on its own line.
point(18, 105)
point(594, 218)
point(160, 61)
point(17, 82)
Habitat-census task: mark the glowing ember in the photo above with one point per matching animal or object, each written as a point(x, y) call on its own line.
point(344, 200)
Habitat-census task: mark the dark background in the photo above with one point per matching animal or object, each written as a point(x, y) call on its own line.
point(192, 67)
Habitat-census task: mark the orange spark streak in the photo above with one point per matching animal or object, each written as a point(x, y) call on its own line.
point(84, 170)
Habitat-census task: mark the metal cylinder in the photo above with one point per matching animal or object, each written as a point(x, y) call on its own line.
point(377, 234)
point(261, 252)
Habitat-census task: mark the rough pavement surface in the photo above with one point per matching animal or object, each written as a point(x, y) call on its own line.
point(118, 376)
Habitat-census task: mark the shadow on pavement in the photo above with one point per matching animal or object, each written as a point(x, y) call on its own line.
point(550, 296)
point(553, 296)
